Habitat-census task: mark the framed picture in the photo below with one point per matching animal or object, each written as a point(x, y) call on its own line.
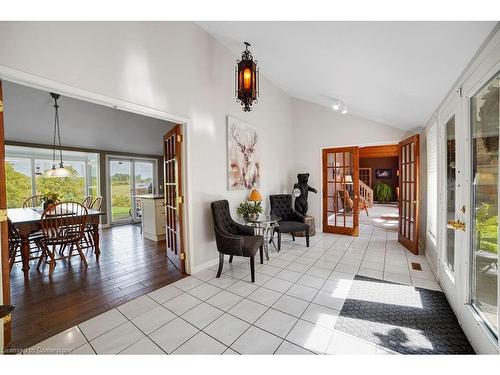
point(383, 174)
point(243, 155)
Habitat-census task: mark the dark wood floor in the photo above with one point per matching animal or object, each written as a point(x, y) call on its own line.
point(129, 266)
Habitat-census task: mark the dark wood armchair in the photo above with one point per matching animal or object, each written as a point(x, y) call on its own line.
point(290, 220)
point(233, 238)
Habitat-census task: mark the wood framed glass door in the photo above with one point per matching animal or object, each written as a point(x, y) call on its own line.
point(341, 190)
point(409, 158)
point(5, 335)
point(174, 200)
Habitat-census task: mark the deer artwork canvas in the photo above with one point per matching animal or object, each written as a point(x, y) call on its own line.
point(243, 156)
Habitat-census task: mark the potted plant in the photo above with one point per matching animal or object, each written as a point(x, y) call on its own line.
point(48, 199)
point(382, 192)
point(249, 210)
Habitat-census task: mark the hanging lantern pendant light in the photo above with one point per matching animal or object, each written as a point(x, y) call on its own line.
point(60, 171)
point(246, 80)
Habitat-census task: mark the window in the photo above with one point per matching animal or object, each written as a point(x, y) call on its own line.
point(68, 188)
point(432, 168)
point(25, 174)
point(18, 174)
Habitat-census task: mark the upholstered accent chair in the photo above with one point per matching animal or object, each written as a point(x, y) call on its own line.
point(291, 221)
point(233, 238)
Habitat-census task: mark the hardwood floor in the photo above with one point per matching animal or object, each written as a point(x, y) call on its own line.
point(129, 266)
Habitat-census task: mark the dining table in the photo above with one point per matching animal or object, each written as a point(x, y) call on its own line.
point(29, 220)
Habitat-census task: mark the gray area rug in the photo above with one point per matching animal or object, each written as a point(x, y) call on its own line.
point(402, 318)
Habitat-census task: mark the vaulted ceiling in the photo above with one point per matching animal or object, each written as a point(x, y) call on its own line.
point(392, 72)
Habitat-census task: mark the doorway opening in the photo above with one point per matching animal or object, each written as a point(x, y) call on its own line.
point(130, 263)
point(374, 185)
point(379, 186)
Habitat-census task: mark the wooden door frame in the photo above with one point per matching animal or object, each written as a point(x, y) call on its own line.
point(354, 231)
point(179, 134)
point(4, 245)
point(409, 244)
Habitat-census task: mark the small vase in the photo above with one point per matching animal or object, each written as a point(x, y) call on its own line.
point(253, 216)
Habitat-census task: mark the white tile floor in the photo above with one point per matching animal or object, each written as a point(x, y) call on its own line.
point(290, 309)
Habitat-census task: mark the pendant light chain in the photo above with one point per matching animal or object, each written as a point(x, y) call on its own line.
point(57, 144)
point(56, 106)
point(54, 139)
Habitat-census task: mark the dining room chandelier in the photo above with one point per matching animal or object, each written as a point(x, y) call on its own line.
point(59, 171)
point(246, 80)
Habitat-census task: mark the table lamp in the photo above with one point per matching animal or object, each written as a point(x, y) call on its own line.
point(255, 196)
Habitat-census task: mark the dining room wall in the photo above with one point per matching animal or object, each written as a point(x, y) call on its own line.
point(175, 68)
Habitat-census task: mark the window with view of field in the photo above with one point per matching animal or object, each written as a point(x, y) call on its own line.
point(26, 175)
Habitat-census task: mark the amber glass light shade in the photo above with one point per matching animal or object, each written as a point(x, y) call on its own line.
point(246, 80)
point(255, 196)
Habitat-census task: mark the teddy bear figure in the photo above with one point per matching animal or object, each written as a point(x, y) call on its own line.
point(301, 190)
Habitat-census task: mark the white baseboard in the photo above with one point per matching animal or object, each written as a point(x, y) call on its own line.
point(204, 266)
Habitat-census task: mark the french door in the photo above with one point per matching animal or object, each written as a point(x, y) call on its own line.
point(409, 203)
point(174, 200)
point(5, 323)
point(341, 190)
point(451, 226)
point(128, 179)
point(468, 182)
point(480, 108)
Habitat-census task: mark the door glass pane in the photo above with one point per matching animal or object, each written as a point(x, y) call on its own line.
point(68, 188)
point(93, 176)
point(121, 201)
point(484, 231)
point(450, 192)
point(143, 183)
point(18, 181)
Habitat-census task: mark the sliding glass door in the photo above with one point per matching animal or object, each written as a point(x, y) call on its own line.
point(128, 179)
point(120, 178)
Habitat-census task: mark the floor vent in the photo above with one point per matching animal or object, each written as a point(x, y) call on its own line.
point(416, 266)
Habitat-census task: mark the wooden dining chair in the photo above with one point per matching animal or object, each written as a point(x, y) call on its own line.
point(87, 202)
point(63, 225)
point(34, 201)
point(97, 203)
point(88, 239)
point(15, 245)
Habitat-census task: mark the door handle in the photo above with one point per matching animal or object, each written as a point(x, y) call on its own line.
point(456, 225)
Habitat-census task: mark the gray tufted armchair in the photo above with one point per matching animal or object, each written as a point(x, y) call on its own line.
point(233, 238)
point(291, 221)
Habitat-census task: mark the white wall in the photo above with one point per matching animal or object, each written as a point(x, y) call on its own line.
point(316, 127)
point(174, 67)
point(29, 117)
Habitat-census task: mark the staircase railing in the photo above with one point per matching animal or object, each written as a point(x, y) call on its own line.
point(366, 193)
